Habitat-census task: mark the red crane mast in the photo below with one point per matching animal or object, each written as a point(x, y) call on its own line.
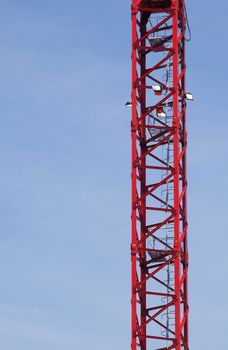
point(159, 250)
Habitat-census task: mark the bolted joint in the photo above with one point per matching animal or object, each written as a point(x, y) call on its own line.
point(134, 9)
point(133, 249)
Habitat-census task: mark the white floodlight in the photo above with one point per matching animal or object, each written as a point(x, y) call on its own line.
point(157, 89)
point(128, 104)
point(189, 96)
point(161, 113)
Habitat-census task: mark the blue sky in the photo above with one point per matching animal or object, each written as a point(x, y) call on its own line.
point(65, 172)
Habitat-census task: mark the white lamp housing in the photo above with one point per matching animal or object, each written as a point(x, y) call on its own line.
point(161, 113)
point(157, 88)
point(189, 96)
point(128, 104)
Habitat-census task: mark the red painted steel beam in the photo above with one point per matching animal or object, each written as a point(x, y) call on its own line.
point(159, 249)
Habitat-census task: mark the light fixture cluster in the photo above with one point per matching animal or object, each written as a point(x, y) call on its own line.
point(158, 91)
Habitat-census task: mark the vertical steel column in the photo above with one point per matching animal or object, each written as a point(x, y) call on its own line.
point(182, 12)
point(133, 180)
point(177, 171)
point(142, 59)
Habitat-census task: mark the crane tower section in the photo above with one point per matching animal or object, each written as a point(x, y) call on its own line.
point(159, 250)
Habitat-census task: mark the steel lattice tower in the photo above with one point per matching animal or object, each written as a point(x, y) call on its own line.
point(159, 201)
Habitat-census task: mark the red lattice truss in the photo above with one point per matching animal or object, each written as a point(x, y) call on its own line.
point(159, 224)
